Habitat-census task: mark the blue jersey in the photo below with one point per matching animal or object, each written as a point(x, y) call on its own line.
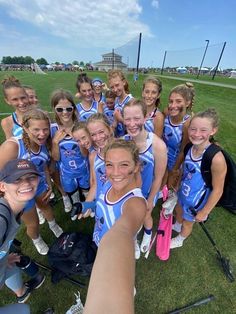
point(109, 113)
point(107, 213)
point(193, 192)
point(40, 159)
point(100, 173)
point(147, 162)
point(120, 129)
point(149, 123)
point(71, 162)
point(84, 114)
point(172, 136)
point(17, 128)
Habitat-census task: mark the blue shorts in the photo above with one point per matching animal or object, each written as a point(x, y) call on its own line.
point(71, 184)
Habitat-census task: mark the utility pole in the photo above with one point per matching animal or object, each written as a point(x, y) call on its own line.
point(199, 71)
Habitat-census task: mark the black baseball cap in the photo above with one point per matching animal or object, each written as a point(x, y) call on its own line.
point(15, 169)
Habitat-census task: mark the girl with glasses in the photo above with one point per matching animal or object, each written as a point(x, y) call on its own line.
point(70, 157)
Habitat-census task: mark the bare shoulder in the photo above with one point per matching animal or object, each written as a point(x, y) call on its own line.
point(158, 144)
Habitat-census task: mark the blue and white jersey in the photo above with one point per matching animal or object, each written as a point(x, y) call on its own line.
point(40, 159)
point(172, 136)
point(17, 127)
point(84, 114)
point(107, 213)
point(193, 191)
point(109, 113)
point(149, 123)
point(100, 173)
point(72, 163)
point(120, 129)
point(147, 162)
point(102, 99)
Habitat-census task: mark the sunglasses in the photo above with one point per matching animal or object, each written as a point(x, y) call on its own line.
point(67, 109)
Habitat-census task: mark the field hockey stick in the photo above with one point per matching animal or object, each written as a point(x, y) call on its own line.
point(151, 245)
point(225, 263)
point(72, 280)
point(195, 304)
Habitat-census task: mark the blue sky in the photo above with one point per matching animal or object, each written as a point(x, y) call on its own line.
point(68, 30)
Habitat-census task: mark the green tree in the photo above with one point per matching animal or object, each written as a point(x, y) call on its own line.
point(41, 61)
point(75, 62)
point(81, 64)
point(29, 60)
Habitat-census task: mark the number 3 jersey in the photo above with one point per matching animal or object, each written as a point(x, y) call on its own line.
point(193, 191)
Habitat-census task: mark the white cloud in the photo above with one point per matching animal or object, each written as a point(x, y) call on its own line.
point(155, 4)
point(91, 23)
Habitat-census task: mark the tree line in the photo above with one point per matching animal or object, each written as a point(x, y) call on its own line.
point(30, 60)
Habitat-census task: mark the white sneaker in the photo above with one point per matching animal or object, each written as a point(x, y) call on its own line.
point(75, 197)
point(177, 227)
point(137, 249)
point(145, 242)
point(170, 203)
point(52, 195)
point(56, 229)
point(41, 216)
point(176, 242)
point(67, 203)
point(76, 308)
point(41, 246)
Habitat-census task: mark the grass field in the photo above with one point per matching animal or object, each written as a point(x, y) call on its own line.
point(192, 272)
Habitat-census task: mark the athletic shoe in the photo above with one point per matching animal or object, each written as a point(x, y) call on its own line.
point(23, 298)
point(52, 196)
point(41, 216)
point(137, 249)
point(170, 203)
point(56, 229)
point(67, 203)
point(35, 282)
point(177, 227)
point(145, 242)
point(41, 246)
point(75, 197)
point(76, 308)
point(176, 242)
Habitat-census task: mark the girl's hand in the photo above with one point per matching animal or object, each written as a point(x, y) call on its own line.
point(12, 259)
point(118, 116)
point(59, 135)
point(173, 179)
point(47, 194)
point(201, 216)
point(150, 205)
point(86, 214)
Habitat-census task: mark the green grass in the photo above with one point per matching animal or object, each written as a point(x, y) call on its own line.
point(192, 272)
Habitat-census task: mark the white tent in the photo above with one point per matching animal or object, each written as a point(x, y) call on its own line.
point(182, 70)
point(232, 74)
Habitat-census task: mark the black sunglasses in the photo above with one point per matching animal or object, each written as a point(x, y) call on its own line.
point(67, 109)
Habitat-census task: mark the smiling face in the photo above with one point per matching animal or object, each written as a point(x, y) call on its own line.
point(100, 133)
point(33, 99)
point(121, 169)
point(117, 85)
point(133, 120)
point(86, 92)
point(22, 190)
point(82, 137)
point(200, 130)
point(150, 94)
point(17, 98)
point(177, 105)
point(38, 131)
point(64, 111)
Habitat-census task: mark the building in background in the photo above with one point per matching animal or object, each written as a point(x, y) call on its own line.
point(110, 61)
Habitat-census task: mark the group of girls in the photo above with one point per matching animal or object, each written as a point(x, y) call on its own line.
point(77, 159)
